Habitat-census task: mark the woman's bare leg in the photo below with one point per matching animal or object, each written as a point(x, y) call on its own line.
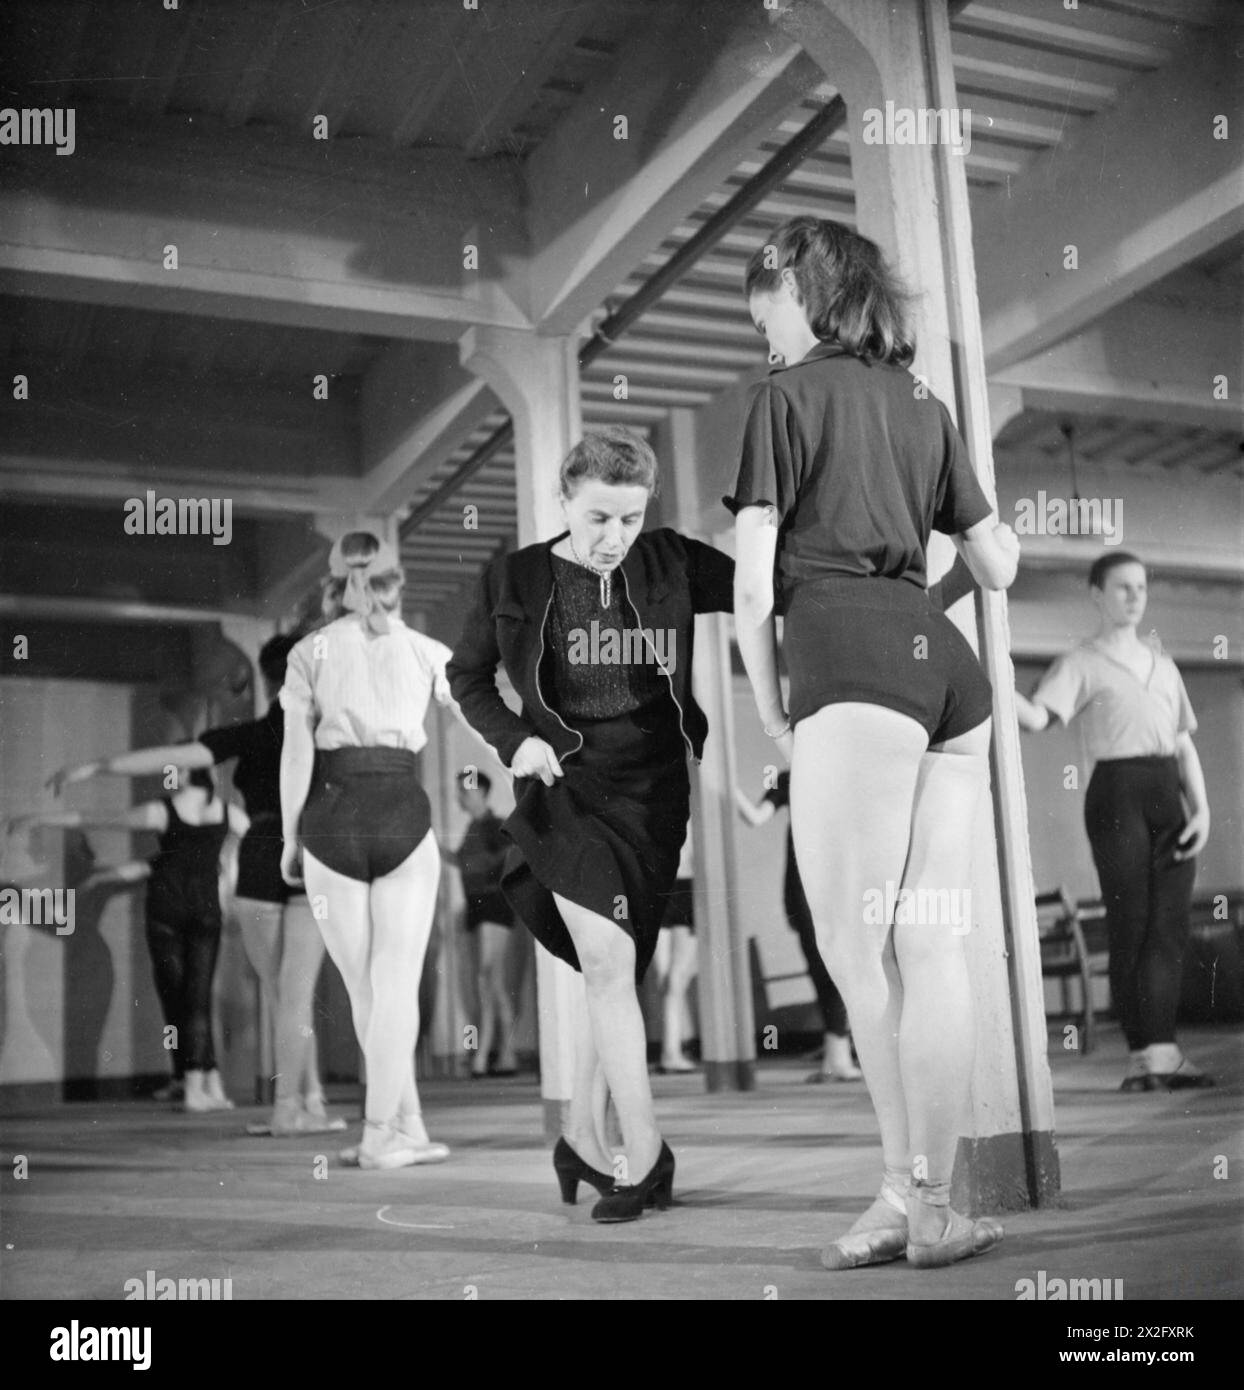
point(607, 958)
point(682, 966)
point(853, 781)
point(589, 1098)
point(937, 1040)
point(496, 1010)
point(402, 906)
point(302, 954)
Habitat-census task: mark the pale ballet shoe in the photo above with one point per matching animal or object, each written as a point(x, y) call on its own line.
point(415, 1150)
point(866, 1248)
point(960, 1241)
point(216, 1089)
point(198, 1100)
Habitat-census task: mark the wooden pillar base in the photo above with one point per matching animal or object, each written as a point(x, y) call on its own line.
point(1006, 1172)
point(730, 1076)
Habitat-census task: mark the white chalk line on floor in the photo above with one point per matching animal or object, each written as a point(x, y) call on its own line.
point(410, 1225)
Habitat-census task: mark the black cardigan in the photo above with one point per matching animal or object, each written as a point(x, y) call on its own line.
point(668, 579)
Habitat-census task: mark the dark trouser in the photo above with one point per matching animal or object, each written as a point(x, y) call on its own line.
point(799, 914)
point(1134, 815)
point(183, 959)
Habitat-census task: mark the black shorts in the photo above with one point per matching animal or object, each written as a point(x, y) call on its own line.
point(881, 642)
point(366, 811)
point(259, 862)
point(488, 907)
point(680, 905)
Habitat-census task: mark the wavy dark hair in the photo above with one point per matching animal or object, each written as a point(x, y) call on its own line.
point(850, 295)
point(612, 455)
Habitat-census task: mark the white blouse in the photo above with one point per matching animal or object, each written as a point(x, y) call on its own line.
point(1123, 716)
point(366, 690)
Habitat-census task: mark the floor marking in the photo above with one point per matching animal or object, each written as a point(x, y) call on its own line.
point(410, 1225)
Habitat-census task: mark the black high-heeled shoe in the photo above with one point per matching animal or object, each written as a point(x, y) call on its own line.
point(628, 1203)
point(571, 1170)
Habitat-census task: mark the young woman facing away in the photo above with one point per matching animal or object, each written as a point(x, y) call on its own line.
point(357, 824)
point(847, 466)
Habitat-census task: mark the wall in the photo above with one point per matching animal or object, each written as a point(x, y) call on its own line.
point(81, 1006)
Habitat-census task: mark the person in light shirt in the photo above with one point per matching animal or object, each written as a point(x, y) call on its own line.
point(357, 824)
point(1145, 810)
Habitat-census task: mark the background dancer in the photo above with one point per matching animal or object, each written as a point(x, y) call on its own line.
point(489, 924)
point(279, 934)
point(183, 917)
point(600, 749)
point(837, 1063)
point(357, 823)
point(676, 961)
point(847, 465)
point(1145, 810)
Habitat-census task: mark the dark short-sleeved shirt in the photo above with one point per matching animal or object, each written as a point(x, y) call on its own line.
point(860, 464)
point(257, 747)
point(480, 855)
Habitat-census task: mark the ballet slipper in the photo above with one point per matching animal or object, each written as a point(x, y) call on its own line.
point(866, 1248)
point(961, 1240)
point(397, 1150)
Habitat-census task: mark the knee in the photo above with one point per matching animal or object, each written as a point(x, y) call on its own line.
point(608, 964)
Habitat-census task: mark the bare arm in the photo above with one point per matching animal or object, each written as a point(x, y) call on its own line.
point(239, 821)
point(141, 762)
point(756, 542)
point(1192, 781)
point(297, 762)
point(755, 813)
point(1030, 715)
point(991, 551)
point(117, 876)
point(151, 815)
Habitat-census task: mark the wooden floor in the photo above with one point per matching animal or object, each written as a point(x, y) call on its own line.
point(764, 1179)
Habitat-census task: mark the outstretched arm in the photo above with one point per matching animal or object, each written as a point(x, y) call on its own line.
point(117, 875)
point(1030, 715)
point(141, 762)
point(151, 815)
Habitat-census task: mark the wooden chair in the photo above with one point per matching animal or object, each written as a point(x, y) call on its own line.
point(1072, 945)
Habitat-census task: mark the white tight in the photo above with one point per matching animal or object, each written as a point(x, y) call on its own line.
point(285, 947)
point(676, 962)
point(493, 943)
point(872, 807)
point(377, 934)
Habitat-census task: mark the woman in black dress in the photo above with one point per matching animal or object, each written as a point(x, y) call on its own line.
point(848, 464)
point(595, 628)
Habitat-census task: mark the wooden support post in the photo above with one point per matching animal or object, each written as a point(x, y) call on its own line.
point(727, 1027)
point(537, 379)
